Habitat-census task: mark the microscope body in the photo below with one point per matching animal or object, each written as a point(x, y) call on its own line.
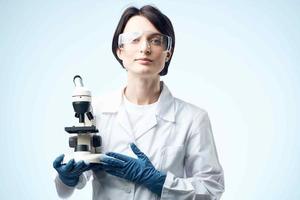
point(84, 138)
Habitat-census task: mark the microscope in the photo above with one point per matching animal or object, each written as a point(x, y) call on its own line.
point(84, 140)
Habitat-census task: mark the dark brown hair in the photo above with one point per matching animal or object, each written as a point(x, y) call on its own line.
point(160, 21)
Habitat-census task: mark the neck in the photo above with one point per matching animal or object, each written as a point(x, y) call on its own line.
point(142, 91)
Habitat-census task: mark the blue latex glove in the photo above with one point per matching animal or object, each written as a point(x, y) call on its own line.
point(140, 171)
point(69, 173)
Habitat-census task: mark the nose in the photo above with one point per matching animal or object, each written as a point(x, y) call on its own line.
point(145, 47)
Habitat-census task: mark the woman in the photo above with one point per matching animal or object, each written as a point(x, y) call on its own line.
point(158, 146)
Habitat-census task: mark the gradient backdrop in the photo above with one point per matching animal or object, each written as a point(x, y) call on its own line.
point(239, 60)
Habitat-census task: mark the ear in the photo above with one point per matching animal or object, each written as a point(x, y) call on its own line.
point(168, 56)
point(120, 54)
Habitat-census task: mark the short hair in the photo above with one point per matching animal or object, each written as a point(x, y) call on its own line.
point(160, 21)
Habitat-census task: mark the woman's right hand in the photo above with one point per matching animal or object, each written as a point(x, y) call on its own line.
point(69, 173)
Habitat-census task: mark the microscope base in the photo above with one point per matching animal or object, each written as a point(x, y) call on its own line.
point(87, 157)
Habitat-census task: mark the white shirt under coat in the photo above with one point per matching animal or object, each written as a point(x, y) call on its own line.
point(177, 139)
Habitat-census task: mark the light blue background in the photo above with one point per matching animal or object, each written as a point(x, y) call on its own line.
point(239, 60)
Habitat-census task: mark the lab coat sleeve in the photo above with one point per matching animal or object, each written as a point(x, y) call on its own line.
point(204, 178)
point(65, 191)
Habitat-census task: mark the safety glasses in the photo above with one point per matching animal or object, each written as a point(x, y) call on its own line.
point(132, 41)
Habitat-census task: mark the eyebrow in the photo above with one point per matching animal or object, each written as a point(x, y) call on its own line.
point(154, 34)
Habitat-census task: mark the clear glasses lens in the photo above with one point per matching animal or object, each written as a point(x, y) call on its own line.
point(131, 40)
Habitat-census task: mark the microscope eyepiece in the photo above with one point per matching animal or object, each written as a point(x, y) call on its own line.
point(77, 80)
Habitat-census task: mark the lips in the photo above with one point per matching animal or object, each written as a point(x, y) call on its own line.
point(144, 59)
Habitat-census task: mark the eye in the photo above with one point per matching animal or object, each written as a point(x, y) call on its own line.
point(136, 40)
point(155, 41)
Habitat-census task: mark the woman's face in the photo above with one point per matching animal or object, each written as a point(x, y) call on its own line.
point(143, 57)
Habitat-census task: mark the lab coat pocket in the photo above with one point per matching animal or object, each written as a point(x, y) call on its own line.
point(172, 160)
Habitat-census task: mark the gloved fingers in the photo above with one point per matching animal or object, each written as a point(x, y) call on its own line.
point(69, 181)
point(69, 166)
point(95, 166)
point(86, 166)
point(138, 152)
point(112, 162)
point(79, 166)
point(108, 167)
point(118, 156)
point(57, 161)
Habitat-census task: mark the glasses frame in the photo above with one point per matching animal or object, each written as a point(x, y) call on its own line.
point(140, 34)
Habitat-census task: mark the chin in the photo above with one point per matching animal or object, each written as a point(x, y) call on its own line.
point(145, 73)
point(144, 70)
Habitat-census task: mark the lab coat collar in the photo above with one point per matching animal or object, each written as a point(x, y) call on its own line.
point(165, 107)
point(166, 104)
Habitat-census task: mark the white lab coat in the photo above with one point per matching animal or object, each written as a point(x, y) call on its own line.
point(178, 141)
